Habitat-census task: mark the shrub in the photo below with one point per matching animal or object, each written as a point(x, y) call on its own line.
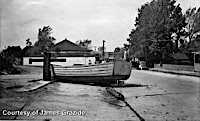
point(8, 59)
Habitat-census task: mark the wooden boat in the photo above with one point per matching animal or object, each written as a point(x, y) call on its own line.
point(100, 73)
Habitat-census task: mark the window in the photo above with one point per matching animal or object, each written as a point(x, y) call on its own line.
point(30, 62)
point(58, 60)
point(41, 60)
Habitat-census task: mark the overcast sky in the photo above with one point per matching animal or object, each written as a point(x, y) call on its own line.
point(97, 20)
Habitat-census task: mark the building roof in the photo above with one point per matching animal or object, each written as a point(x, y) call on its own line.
point(29, 51)
point(198, 52)
point(179, 56)
point(67, 45)
point(71, 48)
point(115, 53)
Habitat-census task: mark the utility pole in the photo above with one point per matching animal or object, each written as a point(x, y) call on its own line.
point(129, 44)
point(103, 49)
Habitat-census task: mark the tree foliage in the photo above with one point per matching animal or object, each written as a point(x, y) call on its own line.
point(8, 58)
point(122, 49)
point(45, 40)
point(193, 33)
point(193, 22)
point(28, 42)
point(155, 24)
point(84, 43)
point(117, 49)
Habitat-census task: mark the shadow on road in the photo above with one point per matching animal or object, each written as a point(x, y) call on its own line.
point(130, 85)
point(126, 85)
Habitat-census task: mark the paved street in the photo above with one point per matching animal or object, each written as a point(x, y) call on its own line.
point(167, 96)
point(152, 95)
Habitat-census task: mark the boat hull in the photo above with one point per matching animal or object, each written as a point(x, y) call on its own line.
point(102, 73)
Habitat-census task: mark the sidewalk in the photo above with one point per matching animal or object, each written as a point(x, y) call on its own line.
point(187, 73)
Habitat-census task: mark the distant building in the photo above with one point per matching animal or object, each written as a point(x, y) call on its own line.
point(111, 56)
point(196, 61)
point(65, 53)
point(176, 58)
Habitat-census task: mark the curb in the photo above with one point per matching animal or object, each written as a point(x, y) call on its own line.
point(177, 73)
point(35, 88)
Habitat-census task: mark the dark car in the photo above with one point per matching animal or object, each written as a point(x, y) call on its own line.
point(135, 64)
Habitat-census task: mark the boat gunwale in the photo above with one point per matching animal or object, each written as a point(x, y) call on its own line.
point(78, 66)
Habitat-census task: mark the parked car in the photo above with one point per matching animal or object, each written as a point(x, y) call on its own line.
point(142, 65)
point(135, 64)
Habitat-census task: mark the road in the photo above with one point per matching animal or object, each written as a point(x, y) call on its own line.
point(166, 96)
point(151, 95)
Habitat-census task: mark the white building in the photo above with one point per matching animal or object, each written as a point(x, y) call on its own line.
point(66, 53)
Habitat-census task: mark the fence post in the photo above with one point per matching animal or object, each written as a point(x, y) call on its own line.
point(46, 67)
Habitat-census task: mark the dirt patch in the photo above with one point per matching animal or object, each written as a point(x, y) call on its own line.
point(35, 80)
point(11, 100)
point(14, 87)
point(19, 100)
point(2, 91)
point(30, 69)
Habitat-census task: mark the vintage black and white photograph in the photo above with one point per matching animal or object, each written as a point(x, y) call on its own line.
point(87, 60)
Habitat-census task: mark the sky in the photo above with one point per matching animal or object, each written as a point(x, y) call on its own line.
point(97, 20)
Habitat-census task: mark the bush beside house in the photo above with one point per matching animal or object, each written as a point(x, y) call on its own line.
point(9, 58)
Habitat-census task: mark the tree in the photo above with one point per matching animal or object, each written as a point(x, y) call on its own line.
point(45, 41)
point(178, 22)
point(84, 43)
point(155, 24)
point(193, 22)
point(192, 29)
point(117, 49)
point(121, 49)
point(28, 43)
point(8, 58)
point(136, 46)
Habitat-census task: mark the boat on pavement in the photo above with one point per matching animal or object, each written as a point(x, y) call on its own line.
point(108, 73)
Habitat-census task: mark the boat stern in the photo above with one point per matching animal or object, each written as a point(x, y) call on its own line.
point(122, 68)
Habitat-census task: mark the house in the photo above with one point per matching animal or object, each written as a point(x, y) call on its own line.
point(176, 58)
point(63, 53)
point(111, 56)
